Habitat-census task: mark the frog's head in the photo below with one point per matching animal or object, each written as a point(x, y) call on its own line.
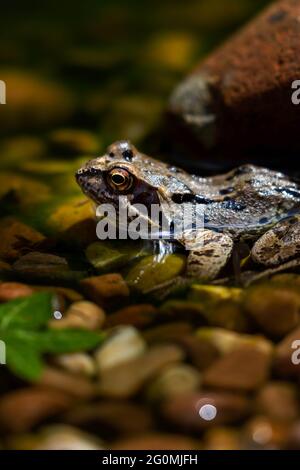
point(124, 171)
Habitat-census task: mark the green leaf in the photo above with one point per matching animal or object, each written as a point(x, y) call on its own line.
point(67, 341)
point(23, 359)
point(58, 341)
point(30, 313)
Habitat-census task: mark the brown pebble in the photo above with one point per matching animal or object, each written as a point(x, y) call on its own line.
point(113, 417)
point(187, 412)
point(293, 437)
point(278, 401)
point(222, 438)
point(140, 316)
point(15, 237)
point(156, 441)
point(244, 369)
point(23, 409)
point(169, 332)
point(56, 437)
point(106, 290)
point(242, 92)
point(14, 290)
point(274, 310)
point(173, 380)
point(261, 433)
point(126, 379)
point(200, 353)
point(72, 384)
point(83, 314)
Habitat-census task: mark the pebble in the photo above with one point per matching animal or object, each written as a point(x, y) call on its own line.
point(124, 344)
point(106, 290)
point(170, 332)
point(200, 352)
point(72, 384)
point(77, 363)
point(194, 412)
point(226, 341)
point(113, 417)
point(153, 271)
point(127, 379)
point(140, 316)
point(37, 266)
point(243, 369)
point(173, 380)
point(23, 409)
point(274, 310)
point(278, 401)
point(82, 314)
point(57, 437)
point(222, 438)
point(14, 290)
point(261, 433)
point(11, 244)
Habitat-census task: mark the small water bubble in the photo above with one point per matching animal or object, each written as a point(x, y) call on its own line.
point(57, 315)
point(208, 412)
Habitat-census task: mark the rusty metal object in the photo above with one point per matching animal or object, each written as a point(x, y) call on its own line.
point(239, 100)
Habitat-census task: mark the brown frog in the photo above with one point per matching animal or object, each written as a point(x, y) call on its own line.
point(248, 203)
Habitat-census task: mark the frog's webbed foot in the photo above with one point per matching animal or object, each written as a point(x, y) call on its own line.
point(279, 244)
point(209, 252)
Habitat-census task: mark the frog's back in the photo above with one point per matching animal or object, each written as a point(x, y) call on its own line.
point(248, 200)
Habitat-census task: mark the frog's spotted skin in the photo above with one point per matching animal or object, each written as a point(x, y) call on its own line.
point(242, 204)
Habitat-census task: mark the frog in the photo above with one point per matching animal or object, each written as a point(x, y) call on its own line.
point(249, 204)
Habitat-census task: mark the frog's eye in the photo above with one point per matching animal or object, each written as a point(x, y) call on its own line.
point(120, 179)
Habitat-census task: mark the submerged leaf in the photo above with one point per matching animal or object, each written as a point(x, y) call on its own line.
point(29, 313)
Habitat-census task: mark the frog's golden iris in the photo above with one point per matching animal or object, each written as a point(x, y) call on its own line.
point(120, 179)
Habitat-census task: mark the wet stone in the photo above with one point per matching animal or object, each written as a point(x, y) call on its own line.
point(123, 344)
point(261, 433)
point(16, 237)
point(23, 409)
point(57, 437)
point(82, 314)
point(77, 363)
point(222, 438)
point(127, 379)
point(140, 316)
point(173, 380)
point(274, 310)
point(14, 290)
point(244, 369)
point(37, 266)
point(113, 417)
point(169, 332)
point(106, 290)
point(195, 412)
point(279, 401)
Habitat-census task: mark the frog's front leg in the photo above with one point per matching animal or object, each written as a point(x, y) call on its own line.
point(209, 252)
point(279, 244)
